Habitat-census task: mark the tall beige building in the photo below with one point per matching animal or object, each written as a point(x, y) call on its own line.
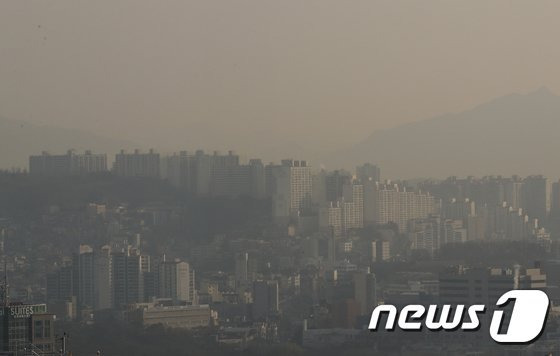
point(385, 203)
point(290, 187)
point(330, 218)
point(342, 215)
point(353, 206)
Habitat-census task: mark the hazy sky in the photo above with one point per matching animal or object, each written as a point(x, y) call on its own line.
point(249, 74)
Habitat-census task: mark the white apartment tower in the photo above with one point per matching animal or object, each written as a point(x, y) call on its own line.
point(290, 187)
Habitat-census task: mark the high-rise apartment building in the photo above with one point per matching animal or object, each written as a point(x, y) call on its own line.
point(290, 187)
point(503, 222)
point(106, 279)
point(176, 169)
point(216, 175)
point(424, 234)
point(239, 180)
point(137, 164)
point(50, 165)
point(87, 281)
point(330, 218)
point(392, 203)
point(88, 162)
point(458, 209)
point(70, 163)
point(344, 214)
point(92, 277)
point(353, 206)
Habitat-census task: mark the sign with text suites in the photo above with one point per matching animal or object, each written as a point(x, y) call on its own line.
point(23, 311)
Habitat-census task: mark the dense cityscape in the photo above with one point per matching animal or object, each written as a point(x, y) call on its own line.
point(240, 257)
point(279, 178)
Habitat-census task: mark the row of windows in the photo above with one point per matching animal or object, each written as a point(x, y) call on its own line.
point(42, 329)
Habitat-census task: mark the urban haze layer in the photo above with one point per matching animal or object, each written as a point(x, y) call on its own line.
point(387, 153)
point(197, 253)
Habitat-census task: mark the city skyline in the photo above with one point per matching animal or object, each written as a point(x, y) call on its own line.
point(208, 242)
point(256, 77)
point(512, 129)
point(279, 178)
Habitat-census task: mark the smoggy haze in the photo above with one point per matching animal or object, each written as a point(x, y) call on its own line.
point(265, 76)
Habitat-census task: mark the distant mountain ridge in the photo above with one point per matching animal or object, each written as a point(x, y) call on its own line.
point(20, 139)
point(514, 134)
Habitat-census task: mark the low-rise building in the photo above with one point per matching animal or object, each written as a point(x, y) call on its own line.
point(26, 327)
point(182, 316)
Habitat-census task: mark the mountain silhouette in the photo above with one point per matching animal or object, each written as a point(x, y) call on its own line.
point(514, 134)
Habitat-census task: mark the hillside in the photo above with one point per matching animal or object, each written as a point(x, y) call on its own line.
point(514, 134)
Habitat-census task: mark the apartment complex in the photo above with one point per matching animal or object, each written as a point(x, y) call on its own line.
point(70, 163)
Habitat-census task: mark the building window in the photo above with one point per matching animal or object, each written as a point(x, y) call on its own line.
point(38, 328)
point(47, 332)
